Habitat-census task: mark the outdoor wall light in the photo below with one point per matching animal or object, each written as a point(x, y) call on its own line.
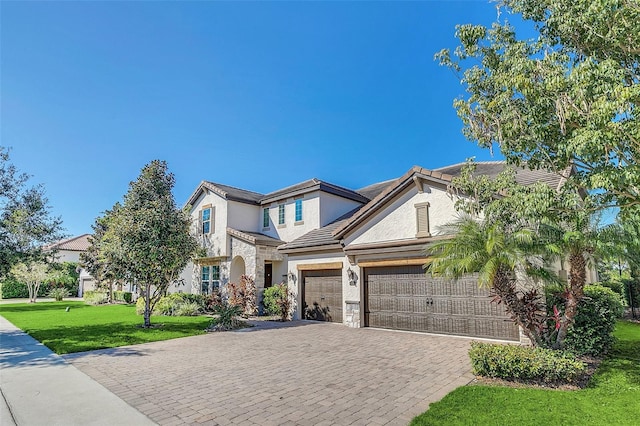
point(353, 277)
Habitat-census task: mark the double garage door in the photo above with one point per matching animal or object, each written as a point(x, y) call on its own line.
point(405, 298)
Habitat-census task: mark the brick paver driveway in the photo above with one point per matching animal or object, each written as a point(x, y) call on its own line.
point(309, 374)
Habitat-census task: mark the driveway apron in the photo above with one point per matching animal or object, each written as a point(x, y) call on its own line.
point(307, 373)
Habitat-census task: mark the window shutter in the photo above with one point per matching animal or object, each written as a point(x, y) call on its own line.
point(212, 218)
point(200, 223)
point(422, 220)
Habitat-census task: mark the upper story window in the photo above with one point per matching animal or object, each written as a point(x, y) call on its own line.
point(281, 214)
point(265, 217)
point(299, 210)
point(422, 220)
point(206, 220)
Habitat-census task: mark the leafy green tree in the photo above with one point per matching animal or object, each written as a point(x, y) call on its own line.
point(498, 257)
point(33, 274)
point(560, 220)
point(26, 224)
point(64, 274)
point(567, 98)
point(105, 270)
point(148, 236)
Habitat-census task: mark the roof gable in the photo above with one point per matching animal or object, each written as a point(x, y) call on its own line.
point(442, 176)
point(227, 192)
point(310, 186)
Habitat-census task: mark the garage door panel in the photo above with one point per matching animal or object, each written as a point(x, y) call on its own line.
point(323, 295)
point(406, 298)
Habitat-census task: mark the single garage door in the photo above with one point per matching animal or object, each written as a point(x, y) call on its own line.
point(405, 298)
point(322, 295)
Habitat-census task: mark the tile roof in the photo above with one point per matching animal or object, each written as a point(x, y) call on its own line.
point(524, 176)
point(373, 190)
point(313, 185)
point(254, 237)
point(318, 237)
point(79, 243)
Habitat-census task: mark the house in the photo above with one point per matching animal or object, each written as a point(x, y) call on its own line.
point(69, 250)
point(351, 256)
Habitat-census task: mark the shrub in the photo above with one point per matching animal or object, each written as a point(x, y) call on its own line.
point(510, 362)
point(212, 301)
point(58, 293)
point(95, 297)
point(278, 300)
point(227, 318)
point(188, 309)
point(592, 331)
point(140, 306)
point(12, 289)
point(243, 295)
point(122, 296)
point(270, 299)
point(171, 305)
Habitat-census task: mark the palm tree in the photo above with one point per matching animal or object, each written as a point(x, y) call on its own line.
point(497, 253)
point(574, 239)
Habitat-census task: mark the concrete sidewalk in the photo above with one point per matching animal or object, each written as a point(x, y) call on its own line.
point(38, 387)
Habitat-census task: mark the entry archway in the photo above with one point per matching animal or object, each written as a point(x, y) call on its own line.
point(237, 269)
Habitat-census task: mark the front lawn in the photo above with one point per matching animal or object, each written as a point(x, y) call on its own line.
point(87, 327)
point(612, 398)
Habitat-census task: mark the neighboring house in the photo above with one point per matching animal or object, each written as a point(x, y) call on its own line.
point(351, 256)
point(69, 250)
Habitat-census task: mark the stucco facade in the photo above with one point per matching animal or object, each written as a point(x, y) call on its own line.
point(315, 229)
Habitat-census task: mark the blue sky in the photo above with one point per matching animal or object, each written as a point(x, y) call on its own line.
point(258, 95)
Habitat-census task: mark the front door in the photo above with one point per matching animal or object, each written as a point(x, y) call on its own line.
point(268, 271)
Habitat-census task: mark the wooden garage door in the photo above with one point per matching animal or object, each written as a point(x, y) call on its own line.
point(323, 295)
point(405, 298)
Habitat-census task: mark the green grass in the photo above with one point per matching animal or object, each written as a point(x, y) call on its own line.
point(87, 327)
point(612, 398)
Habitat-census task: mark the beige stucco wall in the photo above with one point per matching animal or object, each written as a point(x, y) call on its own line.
point(397, 220)
point(67, 256)
point(291, 230)
point(243, 216)
point(216, 241)
point(332, 207)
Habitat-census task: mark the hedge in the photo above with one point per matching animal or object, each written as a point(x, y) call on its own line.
point(510, 362)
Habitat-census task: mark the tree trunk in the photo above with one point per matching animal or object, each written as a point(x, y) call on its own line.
point(30, 287)
point(147, 306)
point(575, 292)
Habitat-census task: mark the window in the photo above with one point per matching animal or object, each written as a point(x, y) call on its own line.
point(205, 280)
point(265, 218)
point(206, 220)
point(215, 277)
point(299, 210)
point(281, 214)
point(210, 279)
point(422, 220)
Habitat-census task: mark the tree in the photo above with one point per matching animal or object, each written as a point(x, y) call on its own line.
point(498, 256)
point(105, 270)
point(566, 99)
point(33, 274)
point(559, 218)
point(147, 238)
point(26, 224)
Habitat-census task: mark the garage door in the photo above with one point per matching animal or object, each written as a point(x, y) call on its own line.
point(322, 295)
point(405, 298)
